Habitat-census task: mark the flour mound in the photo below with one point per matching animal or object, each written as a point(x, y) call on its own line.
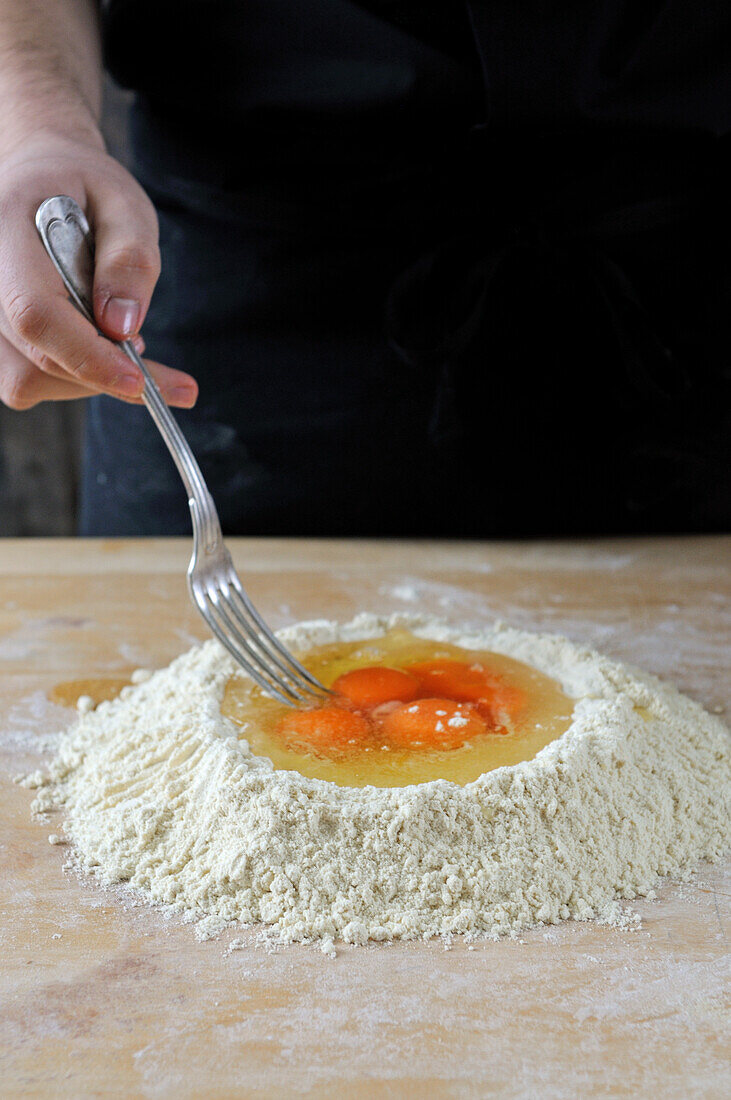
point(160, 793)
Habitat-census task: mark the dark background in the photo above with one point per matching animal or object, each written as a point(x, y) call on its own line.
point(40, 448)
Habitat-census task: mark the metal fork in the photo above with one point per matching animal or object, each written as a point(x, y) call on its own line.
point(212, 580)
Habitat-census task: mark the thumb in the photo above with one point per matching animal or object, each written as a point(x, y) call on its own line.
point(126, 261)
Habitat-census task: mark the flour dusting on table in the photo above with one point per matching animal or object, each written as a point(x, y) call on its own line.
point(160, 793)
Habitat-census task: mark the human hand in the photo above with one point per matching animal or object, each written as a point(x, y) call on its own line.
point(48, 351)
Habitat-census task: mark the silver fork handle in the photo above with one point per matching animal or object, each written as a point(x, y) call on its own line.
point(68, 239)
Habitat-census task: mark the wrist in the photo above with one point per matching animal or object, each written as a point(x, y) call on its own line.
point(37, 124)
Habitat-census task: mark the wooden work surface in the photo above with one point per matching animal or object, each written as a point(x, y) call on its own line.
point(101, 996)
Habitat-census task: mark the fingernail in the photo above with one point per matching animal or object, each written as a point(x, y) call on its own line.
point(130, 384)
point(122, 315)
point(181, 395)
point(139, 344)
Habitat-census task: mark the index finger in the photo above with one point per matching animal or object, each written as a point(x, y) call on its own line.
point(38, 312)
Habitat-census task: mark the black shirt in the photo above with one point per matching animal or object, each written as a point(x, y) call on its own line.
point(556, 175)
point(660, 64)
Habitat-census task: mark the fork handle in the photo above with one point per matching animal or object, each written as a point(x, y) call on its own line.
point(68, 240)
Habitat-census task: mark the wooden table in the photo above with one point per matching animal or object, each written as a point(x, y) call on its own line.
point(101, 996)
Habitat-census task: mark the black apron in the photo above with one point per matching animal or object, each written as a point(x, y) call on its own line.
point(457, 274)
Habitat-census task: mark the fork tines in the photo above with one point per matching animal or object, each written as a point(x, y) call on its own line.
point(240, 628)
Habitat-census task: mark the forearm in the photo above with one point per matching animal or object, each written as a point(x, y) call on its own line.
point(50, 70)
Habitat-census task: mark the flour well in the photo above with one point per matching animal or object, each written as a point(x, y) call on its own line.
point(159, 792)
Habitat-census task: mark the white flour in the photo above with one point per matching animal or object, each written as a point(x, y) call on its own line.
point(160, 793)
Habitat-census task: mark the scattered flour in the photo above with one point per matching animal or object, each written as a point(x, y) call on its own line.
point(409, 593)
point(160, 793)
